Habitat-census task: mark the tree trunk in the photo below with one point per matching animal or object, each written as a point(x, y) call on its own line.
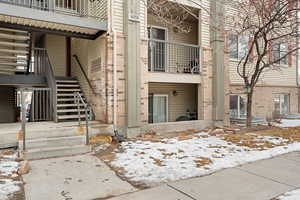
point(249, 108)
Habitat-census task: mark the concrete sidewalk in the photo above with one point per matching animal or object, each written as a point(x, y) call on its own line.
point(261, 180)
point(82, 177)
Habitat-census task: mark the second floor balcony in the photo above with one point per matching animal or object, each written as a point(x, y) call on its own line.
point(173, 57)
point(74, 16)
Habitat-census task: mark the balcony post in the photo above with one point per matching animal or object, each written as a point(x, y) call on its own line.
point(133, 69)
point(51, 5)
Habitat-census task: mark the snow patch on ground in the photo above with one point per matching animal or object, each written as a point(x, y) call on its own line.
point(8, 171)
point(174, 159)
point(288, 123)
point(292, 195)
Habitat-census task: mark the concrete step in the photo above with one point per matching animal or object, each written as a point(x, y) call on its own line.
point(12, 70)
point(66, 94)
point(14, 44)
point(69, 105)
point(13, 64)
point(67, 86)
point(13, 58)
point(13, 37)
point(13, 30)
point(66, 81)
point(69, 110)
point(8, 138)
point(68, 90)
point(64, 117)
point(65, 99)
point(53, 142)
point(42, 153)
point(10, 51)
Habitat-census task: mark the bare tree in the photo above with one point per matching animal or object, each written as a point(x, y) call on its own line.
point(272, 29)
point(173, 13)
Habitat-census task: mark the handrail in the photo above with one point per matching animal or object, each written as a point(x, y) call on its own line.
point(175, 43)
point(88, 113)
point(45, 69)
point(83, 72)
point(83, 8)
point(30, 54)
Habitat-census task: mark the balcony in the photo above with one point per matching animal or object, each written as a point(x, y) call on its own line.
point(170, 60)
point(77, 16)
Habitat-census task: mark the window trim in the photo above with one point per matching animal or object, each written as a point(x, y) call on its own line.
point(238, 44)
point(286, 58)
point(289, 102)
point(239, 104)
point(167, 106)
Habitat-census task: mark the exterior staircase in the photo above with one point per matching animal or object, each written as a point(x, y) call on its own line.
point(66, 107)
point(14, 51)
point(50, 139)
point(53, 147)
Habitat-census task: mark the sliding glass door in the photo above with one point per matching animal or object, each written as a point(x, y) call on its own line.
point(158, 108)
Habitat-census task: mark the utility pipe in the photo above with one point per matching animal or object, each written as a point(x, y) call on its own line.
point(115, 86)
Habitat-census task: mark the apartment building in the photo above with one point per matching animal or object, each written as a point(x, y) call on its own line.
point(276, 94)
point(117, 63)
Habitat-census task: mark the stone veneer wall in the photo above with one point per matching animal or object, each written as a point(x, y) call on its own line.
point(263, 105)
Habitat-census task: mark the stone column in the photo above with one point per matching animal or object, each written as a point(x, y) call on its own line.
point(133, 68)
point(217, 45)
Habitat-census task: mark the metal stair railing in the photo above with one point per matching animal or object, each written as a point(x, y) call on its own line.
point(88, 113)
point(42, 67)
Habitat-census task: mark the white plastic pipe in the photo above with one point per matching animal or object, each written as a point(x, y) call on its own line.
point(115, 78)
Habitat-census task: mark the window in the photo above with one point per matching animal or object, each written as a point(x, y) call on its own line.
point(158, 108)
point(238, 46)
point(157, 51)
point(237, 106)
point(279, 52)
point(281, 104)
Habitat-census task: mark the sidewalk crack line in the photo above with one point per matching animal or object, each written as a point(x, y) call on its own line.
point(181, 192)
point(261, 176)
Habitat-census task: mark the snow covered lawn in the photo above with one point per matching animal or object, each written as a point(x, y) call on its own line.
point(284, 123)
point(292, 195)
point(152, 162)
point(8, 175)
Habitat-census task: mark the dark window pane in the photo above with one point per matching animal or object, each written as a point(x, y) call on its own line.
point(233, 46)
point(243, 47)
point(283, 52)
point(234, 102)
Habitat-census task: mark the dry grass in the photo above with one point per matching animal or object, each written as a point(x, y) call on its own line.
point(291, 134)
point(252, 140)
point(202, 161)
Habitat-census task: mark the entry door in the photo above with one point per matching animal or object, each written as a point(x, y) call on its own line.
point(160, 108)
point(158, 48)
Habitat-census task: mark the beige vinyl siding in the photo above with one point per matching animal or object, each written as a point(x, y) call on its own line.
point(205, 24)
point(118, 9)
point(285, 76)
point(178, 105)
point(56, 47)
point(143, 19)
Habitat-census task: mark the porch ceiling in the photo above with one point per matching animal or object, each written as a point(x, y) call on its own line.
point(22, 16)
